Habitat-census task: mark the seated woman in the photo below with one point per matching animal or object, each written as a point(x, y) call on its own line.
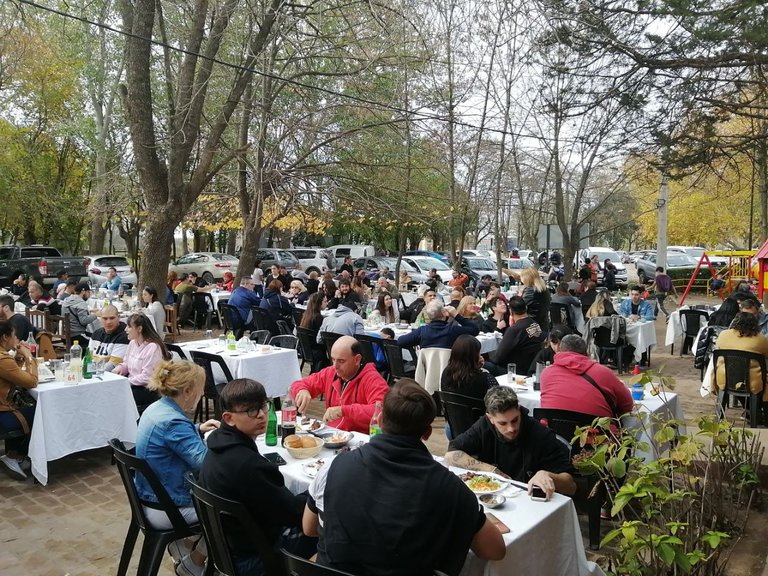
point(313, 319)
point(19, 369)
point(498, 321)
point(277, 305)
point(602, 306)
point(171, 281)
point(173, 445)
point(145, 351)
point(359, 288)
point(154, 309)
point(227, 282)
point(468, 308)
point(744, 334)
point(297, 293)
point(547, 355)
point(719, 321)
point(386, 311)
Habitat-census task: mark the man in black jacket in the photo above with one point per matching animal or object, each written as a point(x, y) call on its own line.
point(233, 468)
point(521, 342)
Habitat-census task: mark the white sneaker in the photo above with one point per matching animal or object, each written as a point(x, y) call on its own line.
point(188, 568)
point(11, 466)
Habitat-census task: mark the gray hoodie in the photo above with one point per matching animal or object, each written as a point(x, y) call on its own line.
point(343, 321)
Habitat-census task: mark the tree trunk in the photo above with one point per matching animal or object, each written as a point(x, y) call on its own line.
point(158, 238)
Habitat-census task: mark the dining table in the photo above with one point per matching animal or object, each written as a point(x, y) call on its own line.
point(644, 419)
point(489, 341)
point(642, 335)
point(72, 417)
point(275, 368)
point(544, 537)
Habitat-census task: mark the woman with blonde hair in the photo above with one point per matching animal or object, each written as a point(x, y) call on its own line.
point(297, 293)
point(602, 306)
point(468, 308)
point(173, 445)
point(537, 297)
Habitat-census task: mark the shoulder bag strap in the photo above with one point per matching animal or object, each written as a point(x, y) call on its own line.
point(608, 399)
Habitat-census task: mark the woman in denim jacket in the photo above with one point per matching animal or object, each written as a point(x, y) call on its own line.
point(173, 445)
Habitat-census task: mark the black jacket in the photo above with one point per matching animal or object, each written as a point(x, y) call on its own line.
point(234, 469)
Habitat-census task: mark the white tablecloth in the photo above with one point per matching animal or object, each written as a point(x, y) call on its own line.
point(489, 341)
point(545, 537)
point(276, 370)
point(641, 335)
point(71, 418)
point(219, 295)
point(665, 406)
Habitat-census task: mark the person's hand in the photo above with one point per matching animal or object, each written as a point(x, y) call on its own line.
point(450, 311)
point(209, 425)
point(24, 351)
point(501, 324)
point(303, 399)
point(116, 370)
point(333, 413)
point(543, 480)
point(634, 317)
point(338, 294)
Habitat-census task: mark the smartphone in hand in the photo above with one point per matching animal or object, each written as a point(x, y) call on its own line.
point(538, 494)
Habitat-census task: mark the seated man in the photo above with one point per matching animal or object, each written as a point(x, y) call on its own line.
point(635, 307)
point(21, 326)
point(521, 342)
point(425, 295)
point(508, 441)
point(564, 298)
point(66, 290)
point(378, 481)
point(752, 306)
point(589, 295)
point(351, 388)
point(384, 285)
point(233, 468)
point(341, 321)
point(345, 296)
point(113, 281)
point(80, 318)
point(184, 291)
point(445, 325)
point(41, 300)
point(244, 298)
point(576, 383)
point(110, 342)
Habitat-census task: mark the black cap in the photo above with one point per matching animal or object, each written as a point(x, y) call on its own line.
point(82, 287)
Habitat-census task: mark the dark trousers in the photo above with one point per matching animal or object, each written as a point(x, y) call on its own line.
point(10, 422)
point(292, 540)
point(143, 397)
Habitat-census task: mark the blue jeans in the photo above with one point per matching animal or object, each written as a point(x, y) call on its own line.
point(292, 540)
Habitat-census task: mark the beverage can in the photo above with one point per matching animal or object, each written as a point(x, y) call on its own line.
point(288, 428)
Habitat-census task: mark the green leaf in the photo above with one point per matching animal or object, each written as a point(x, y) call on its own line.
point(617, 467)
point(666, 553)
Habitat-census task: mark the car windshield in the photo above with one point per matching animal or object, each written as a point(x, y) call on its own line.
point(694, 252)
point(112, 261)
point(480, 264)
point(6, 253)
point(679, 260)
point(426, 263)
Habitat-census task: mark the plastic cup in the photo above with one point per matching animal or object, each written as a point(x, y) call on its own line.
point(511, 373)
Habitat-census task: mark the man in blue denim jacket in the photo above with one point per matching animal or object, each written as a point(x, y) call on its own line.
point(635, 307)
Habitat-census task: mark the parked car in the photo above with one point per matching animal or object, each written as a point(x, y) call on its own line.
point(444, 258)
point(279, 256)
point(696, 252)
point(37, 261)
point(624, 256)
point(209, 266)
point(602, 253)
point(378, 262)
point(339, 251)
point(529, 254)
point(425, 263)
point(518, 264)
point(98, 266)
point(680, 266)
point(479, 267)
point(317, 260)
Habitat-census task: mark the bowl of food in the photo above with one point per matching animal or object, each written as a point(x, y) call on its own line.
point(492, 500)
point(337, 439)
point(303, 445)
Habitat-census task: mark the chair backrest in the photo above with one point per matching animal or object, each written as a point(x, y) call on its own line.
point(394, 353)
point(207, 361)
point(264, 320)
point(207, 300)
point(225, 325)
point(233, 320)
point(284, 341)
point(171, 320)
point(261, 336)
point(564, 423)
point(298, 313)
point(461, 411)
point(214, 512)
point(560, 314)
point(737, 370)
point(284, 327)
point(59, 327)
point(128, 465)
point(430, 366)
point(366, 347)
point(329, 339)
point(38, 318)
point(308, 344)
point(690, 320)
point(298, 566)
point(178, 349)
point(602, 334)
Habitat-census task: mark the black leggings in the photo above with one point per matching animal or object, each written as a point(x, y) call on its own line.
point(143, 397)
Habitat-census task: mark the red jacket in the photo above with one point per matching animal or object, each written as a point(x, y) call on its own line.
point(563, 388)
point(357, 401)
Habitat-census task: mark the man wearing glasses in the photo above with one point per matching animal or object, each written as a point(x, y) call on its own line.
point(233, 468)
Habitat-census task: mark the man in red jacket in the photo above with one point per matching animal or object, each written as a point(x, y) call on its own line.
point(351, 388)
point(576, 383)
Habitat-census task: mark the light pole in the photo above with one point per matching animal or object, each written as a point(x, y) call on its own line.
point(661, 231)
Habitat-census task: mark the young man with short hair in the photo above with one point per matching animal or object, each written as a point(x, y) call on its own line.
point(110, 342)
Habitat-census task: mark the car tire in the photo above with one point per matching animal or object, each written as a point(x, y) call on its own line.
point(208, 277)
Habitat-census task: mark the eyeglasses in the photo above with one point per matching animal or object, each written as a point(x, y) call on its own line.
point(252, 412)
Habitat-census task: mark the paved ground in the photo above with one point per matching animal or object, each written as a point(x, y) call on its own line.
point(76, 525)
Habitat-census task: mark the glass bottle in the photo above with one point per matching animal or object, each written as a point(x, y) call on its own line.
point(231, 342)
point(31, 344)
point(87, 364)
point(375, 426)
point(271, 425)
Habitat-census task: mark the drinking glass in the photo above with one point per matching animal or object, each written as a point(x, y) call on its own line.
point(98, 368)
point(511, 372)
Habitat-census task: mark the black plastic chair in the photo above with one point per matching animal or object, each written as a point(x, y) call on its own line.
point(264, 321)
point(691, 322)
point(225, 325)
point(366, 347)
point(564, 424)
point(602, 339)
point(178, 349)
point(329, 339)
point(297, 313)
point(561, 314)
point(298, 566)
point(284, 341)
point(260, 336)
point(211, 391)
point(738, 365)
point(284, 327)
point(461, 411)
point(155, 541)
point(202, 305)
point(398, 368)
point(311, 351)
point(233, 321)
point(213, 512)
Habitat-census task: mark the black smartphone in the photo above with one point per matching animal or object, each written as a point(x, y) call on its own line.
point(538, 494)
point(275, 458)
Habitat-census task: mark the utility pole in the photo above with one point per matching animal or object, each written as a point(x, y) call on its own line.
point(661, 232)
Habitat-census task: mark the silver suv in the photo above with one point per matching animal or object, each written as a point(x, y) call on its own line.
point(279, 256)
point(317, 260)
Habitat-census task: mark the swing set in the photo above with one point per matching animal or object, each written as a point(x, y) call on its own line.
point(739, 267)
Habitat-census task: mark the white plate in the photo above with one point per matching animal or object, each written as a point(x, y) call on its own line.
point(503, 482)
point(50, 378)
point(312, 468)
point(308, 428)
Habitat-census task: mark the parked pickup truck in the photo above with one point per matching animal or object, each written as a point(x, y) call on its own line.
point(37, 261)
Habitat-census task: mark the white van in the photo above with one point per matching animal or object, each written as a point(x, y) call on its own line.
point(339, 251)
